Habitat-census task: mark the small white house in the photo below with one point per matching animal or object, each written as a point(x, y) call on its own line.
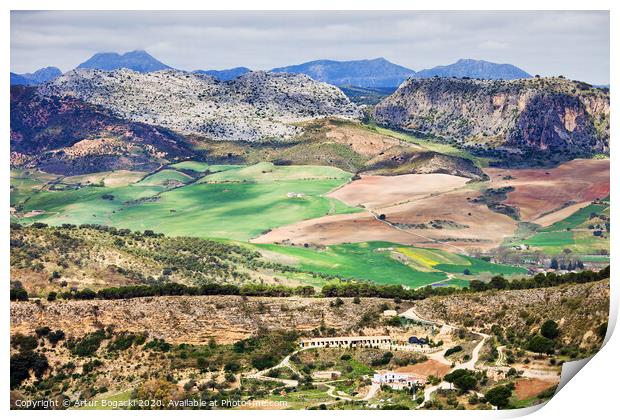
point(397, 380)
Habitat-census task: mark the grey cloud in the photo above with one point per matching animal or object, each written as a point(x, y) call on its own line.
point(572, 43)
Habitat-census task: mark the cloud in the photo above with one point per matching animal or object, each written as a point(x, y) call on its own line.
point(546, 43)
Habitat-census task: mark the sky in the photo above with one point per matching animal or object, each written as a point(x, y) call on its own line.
point(570, 43)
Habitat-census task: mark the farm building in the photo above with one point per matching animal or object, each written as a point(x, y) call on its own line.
point(397, 380)
point(362, 341)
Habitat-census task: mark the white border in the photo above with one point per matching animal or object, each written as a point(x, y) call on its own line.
point(591, 394)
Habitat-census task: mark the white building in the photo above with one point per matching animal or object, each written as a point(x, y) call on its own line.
point(397, 380)
point(361, 341)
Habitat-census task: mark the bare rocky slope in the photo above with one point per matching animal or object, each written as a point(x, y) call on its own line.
point(194, 319)
point(528, 117)
point(256, 106)
point(578, 309)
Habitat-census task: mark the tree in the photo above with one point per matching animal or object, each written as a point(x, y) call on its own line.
point(51, 296)
point(554, 264)
point(549, 329)
point(498, 282)
point(477, 286)
point(540, 344)
point(463, 379)
point(19, 294)
point(498, 396)
point(467, 272)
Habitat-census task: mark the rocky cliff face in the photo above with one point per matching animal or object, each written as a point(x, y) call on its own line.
point(69, 136)
point(254, 107)
point(194, 319)
point(531, 116)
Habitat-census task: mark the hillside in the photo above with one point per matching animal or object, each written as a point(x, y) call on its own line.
point(475, 69)
point(350, 146)
point(257, 106)
point(138, 60)
point(376, 73)
point(538, 118)
point(577, 308)
point(65, 135)
point(193, 319)
point(56, 259)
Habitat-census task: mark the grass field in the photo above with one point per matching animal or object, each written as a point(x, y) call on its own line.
point(573, 233)
point(437, 260)
point(375, 261)
point(232, 209)
point(551, 239)
point(268, 172)
point(576, 219)
point(460, 283)
point(165, 176)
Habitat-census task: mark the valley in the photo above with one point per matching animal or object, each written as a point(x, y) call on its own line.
point(329, 235)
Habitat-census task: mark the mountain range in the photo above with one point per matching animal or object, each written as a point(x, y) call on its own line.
point(377, 73)
point(475, 69)
point(139, 61)
point(40, 76)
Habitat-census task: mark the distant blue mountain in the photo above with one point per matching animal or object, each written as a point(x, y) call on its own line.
point(365, 73)
point(138, 60)
point(40, 76)
point(476, 69)
point(224, 75)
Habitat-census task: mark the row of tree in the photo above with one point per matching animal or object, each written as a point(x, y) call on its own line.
point(340, 289)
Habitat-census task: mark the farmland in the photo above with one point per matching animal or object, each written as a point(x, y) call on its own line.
point(576, 232)
point(239, 205)
point(382, 263)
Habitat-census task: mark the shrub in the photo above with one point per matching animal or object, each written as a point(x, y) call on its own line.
point(88, 345)
point(19, 294)
point(549, 329)
point(498, 396)
point(453, 350)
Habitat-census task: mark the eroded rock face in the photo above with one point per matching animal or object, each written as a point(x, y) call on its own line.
point(191, 319)
point(527, 115)
point(256, 106)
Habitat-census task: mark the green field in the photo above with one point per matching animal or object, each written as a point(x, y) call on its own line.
point(478, 266)
point(196, 166)
point(576, 219)
point(374, 261)
point(551, 239)
point(235, 210)
point(460, 283)
point(164, 177)
point(573, 233)
point(268, 172)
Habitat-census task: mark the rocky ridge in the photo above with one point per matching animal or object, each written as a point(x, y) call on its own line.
point(524, 117)
point(256, 106)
